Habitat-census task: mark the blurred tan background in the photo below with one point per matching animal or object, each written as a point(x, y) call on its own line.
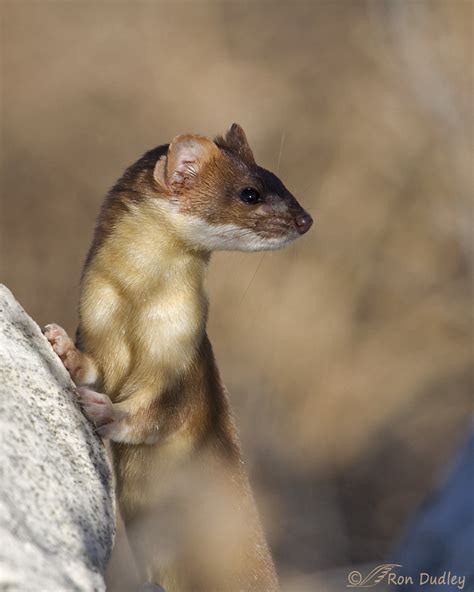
point(348, 356)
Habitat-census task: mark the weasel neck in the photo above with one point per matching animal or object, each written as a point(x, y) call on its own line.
point(144, 255)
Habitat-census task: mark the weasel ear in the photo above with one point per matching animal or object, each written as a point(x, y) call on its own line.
point(236, 140)
point(186, 158)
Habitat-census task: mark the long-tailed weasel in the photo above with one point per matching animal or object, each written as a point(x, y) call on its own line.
point(182, 487)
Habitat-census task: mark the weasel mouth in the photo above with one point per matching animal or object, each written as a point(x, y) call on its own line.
point(278, 242)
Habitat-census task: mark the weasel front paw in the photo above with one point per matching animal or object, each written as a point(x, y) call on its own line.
point(59, 339)
point(112, 420)
point(64, 347)
point(99, 410)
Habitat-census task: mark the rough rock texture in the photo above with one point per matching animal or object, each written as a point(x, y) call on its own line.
point(56, 496)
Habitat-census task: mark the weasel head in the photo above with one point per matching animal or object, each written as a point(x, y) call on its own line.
point(217, 198)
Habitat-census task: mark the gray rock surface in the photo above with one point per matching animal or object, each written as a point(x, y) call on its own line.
point(56, 496)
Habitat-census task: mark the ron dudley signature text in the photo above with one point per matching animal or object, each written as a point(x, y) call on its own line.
point(387, 573)
point(425, 579)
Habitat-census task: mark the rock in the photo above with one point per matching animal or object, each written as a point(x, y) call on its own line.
point(440, 537)
point(57, 514)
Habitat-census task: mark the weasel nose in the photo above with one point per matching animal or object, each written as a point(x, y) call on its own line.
point(303, 222)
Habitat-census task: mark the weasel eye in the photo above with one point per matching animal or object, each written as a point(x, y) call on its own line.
point(249, 195)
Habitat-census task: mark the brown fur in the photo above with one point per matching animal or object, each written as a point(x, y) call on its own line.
point(181, 484)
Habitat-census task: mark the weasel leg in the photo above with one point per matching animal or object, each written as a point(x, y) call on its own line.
point(79, 365)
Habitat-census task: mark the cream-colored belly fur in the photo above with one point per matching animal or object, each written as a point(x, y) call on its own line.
point(143, 310)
